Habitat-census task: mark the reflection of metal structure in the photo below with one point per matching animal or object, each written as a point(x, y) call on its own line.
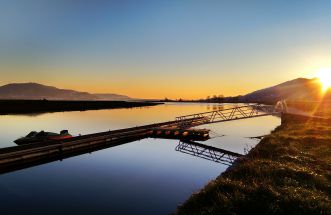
point(236, 113)
point(207, 152)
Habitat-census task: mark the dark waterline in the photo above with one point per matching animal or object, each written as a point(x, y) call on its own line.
point(35, 107)
point(141, 177)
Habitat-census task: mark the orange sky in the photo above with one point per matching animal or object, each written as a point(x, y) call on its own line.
point(164, 49)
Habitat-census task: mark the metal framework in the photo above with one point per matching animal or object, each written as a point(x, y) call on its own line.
point(207, 152)
point(236, 113)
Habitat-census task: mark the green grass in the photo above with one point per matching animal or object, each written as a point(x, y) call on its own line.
point(288, 172)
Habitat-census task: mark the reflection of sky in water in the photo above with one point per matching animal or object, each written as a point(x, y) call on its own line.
point(142, 177)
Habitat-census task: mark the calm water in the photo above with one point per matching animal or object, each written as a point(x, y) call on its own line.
point(141, 177)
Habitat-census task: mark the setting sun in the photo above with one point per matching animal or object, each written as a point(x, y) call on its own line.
point(324, 76)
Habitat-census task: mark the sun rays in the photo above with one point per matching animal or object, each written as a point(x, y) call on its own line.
point(324, 76)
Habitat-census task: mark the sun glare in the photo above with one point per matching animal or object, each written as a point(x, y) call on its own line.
point(324, 75)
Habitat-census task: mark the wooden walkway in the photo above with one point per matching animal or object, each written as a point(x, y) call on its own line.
point(18, 157)
point(15, 157)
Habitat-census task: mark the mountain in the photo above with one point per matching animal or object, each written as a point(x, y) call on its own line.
point(113, 97)
point(300, 89)
point(35, 91)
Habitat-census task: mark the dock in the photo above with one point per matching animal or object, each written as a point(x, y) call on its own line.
point(22, 156)
point(178, 133)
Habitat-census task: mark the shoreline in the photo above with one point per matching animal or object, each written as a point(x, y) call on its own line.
point(8, 107)
point(287, 172)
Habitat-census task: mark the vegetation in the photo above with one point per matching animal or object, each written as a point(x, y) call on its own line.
point(288, 172)
point(210, 99)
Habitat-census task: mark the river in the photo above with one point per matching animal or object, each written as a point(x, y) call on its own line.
point(142, 177)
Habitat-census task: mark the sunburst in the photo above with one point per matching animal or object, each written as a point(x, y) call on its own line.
point(324, 76)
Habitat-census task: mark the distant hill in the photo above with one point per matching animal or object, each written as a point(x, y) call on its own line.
point(113, 97)
point(300, 89)
point(35, 91)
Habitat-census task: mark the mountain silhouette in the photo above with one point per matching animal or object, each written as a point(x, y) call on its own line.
point(300, 89)
point(35, 91)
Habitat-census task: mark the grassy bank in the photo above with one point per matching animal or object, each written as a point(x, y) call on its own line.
point(288, 172)
point(45, 106)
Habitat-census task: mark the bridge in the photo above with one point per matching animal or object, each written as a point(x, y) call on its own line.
point(22, 156)
point(230, 114)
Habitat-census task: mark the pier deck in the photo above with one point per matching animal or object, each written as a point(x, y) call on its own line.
point(22, 155)
point(18, 157)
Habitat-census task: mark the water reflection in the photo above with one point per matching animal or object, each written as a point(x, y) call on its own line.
point(213, 107)
point(141, 177)
point(27, 163)
point(185, 146)
point(207, 152)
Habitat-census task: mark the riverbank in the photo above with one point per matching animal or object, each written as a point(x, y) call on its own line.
point(288, 172)
point(46, 106)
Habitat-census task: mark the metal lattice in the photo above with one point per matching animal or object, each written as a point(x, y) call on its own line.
point(207, 152)
point(236, 113)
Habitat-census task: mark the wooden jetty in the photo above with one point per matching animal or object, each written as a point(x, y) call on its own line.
point(18, 157)
point(23, 155)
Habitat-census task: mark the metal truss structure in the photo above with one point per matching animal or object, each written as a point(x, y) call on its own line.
point(223, 115)
point(236, 113)
point(207, 152)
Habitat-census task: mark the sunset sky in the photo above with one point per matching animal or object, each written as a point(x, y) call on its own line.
point(157, 49)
